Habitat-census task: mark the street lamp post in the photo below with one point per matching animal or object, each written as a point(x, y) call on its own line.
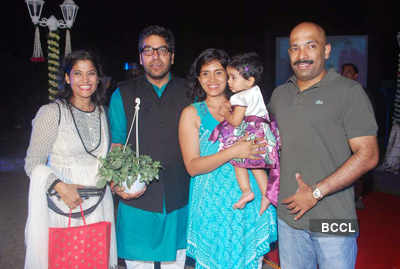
point(69, 11)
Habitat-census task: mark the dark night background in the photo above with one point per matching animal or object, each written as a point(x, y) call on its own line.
point(111, 28)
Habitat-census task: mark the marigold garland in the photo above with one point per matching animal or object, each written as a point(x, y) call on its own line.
point(52, 69)
point(53, 62)
point(54, 55)
point(53, 58)
point(54, 77)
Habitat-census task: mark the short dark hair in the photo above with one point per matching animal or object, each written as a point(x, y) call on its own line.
point(249, 65)
point(350, 64)
point(206, 56)
point(65, 91)
point(160, 31)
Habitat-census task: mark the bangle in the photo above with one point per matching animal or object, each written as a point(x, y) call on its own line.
point(51, 188)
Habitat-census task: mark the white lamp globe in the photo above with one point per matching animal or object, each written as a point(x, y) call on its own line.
point(35, 9)
point(69, 10)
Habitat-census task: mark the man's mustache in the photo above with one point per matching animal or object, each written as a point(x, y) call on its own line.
point(303, 62)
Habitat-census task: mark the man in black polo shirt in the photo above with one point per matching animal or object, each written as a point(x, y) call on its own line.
point(328, 133)
point(151, 226)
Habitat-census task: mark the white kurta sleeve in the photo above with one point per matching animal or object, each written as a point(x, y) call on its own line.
point(43, 136)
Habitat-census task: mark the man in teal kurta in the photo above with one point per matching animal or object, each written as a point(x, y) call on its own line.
point(152, 226)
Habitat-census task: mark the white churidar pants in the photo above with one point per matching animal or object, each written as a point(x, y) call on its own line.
point(178, 264)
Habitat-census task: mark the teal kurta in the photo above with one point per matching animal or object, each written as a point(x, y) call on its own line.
point(220, 237)
point(144, 235)
point(159, 237)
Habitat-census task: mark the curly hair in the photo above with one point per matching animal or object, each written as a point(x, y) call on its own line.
point(196, 91)
point(65, 91)
point(159, 31)
point(249, 65)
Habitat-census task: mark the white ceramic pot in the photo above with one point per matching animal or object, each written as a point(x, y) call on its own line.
point(137, 186)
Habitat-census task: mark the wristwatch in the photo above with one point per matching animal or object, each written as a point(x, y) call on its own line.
point(317, 194)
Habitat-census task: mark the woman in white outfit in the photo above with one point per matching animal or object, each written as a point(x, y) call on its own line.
point(68, 136)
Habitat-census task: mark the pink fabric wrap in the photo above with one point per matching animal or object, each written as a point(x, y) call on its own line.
point(266, 130)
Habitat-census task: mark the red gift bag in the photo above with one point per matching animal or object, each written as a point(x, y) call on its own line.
point(83, 247)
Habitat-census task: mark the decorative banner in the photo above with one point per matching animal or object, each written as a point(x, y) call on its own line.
point(37, 55)
point(391, 163)
point(53, 62)
point(396, 111)
point(67, 43)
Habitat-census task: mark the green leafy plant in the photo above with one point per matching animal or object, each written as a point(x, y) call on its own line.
point(123, 166)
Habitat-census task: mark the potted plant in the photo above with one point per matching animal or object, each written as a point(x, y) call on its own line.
point(127, 169)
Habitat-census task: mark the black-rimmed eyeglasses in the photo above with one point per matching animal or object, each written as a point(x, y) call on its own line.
point(149, 51)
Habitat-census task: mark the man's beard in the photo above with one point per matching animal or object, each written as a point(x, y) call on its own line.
point(158, 76)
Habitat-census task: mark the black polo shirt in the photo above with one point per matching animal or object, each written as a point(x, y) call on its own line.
point(315, 126)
